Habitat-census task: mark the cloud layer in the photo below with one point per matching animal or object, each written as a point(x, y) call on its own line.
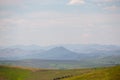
point(74, 2)
point(46, 22)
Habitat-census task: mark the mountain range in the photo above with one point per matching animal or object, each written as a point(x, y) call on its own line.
point(59, 52)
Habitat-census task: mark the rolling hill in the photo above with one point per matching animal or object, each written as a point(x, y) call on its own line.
point(21, 73)
point(13, 73)
point(111, 73)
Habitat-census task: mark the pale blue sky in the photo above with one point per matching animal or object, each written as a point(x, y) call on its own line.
point(48, 22)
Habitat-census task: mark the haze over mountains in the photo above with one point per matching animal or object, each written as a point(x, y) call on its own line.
point(60, 56)
point(59, 52)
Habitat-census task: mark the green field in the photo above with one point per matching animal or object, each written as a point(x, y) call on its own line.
point(13, 73)
point(111, 73)
point(19, 73)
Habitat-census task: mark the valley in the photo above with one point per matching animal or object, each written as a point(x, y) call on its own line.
point(66, 62)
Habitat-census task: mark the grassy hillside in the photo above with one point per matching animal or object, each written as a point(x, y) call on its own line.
point(111, 73)
point(52, 74)
point(19, 73)
point(13, 73)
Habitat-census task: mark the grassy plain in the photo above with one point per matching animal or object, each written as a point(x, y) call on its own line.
point(20, 73)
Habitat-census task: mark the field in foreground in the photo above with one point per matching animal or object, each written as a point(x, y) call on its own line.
point(13, 73)
point(16, 73)
point(111, 73)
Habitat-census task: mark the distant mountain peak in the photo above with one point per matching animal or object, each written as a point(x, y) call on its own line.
point(59, 53)
point(60, 48)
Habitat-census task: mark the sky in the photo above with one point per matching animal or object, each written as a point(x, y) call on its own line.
point(50, 22)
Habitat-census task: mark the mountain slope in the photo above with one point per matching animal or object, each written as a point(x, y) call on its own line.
point(57, 53)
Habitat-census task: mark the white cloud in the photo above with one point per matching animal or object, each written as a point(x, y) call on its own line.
point(57, 28)
point(6, 13)
point(112, 8)
point(109, 0)
point(48, 19)
point(74, 2)
point(106, 1)
point(112, 0)
point(109, 5)
point(10, 2)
